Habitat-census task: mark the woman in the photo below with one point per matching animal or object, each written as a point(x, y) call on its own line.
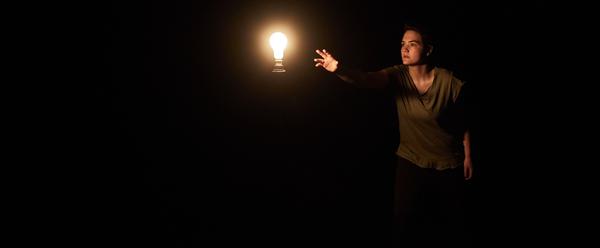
point(433, 155)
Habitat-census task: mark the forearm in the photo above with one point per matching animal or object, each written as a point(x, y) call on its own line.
point(467, 144)
point(377, 79)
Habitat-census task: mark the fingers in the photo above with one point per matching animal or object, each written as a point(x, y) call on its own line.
point(323, 53)
point(320, 62)
point(468, 173)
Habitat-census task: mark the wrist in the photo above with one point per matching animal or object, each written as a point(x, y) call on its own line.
point(338, 69)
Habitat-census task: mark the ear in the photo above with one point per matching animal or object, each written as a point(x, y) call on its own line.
point(429, 50)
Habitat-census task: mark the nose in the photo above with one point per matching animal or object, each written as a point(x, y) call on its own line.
point(404, 49)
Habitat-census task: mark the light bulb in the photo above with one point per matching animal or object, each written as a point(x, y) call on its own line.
point(278, 42)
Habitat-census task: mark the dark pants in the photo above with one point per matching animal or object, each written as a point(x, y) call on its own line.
point(429, 207)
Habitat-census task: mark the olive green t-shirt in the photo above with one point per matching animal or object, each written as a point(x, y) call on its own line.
point(430, 133)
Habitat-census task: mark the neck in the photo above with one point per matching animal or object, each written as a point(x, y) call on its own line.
point(420, 72)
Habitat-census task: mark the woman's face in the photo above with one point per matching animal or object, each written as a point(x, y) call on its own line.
point(412, 48)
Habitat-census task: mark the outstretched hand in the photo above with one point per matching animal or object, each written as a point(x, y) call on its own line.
point(327, 61)
point(468, 168)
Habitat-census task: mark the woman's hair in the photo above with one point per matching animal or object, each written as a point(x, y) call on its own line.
point(423, 30)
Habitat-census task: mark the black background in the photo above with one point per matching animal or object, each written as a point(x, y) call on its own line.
point(196, 141)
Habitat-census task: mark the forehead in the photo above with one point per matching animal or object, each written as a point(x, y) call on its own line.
point(411, 35)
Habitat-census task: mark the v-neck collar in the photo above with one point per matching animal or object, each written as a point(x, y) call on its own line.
point(412, 82)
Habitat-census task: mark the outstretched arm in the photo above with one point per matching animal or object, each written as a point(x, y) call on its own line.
point(362, 79)
point(468, 165)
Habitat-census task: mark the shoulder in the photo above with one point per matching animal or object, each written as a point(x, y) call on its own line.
point(395, 69)
point(444, 73)
point(447, 75)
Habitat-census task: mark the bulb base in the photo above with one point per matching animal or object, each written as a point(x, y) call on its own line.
point(278, 67)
